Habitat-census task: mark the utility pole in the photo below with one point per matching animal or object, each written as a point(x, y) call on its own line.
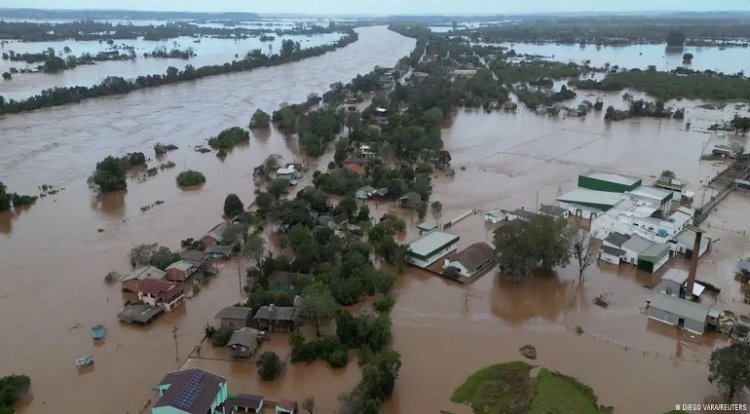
point(176, 349)
point(239, 274)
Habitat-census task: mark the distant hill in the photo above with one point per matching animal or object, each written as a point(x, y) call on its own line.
point(122, 15)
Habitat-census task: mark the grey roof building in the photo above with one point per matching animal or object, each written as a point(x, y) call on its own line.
point(616, 239)
point(243, 343)
point(235, 317)
point(678, 312)
point(553, 211)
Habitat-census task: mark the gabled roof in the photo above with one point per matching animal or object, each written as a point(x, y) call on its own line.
point(247, 337)
point(474, 256)
point(160, 289)
point(191, 390)
point(680, 307)
point(552, 210)
point(253, 402)
point(426, 245)
point(217, 232)
point(678, 276)
point(181, 265)
point(637, 244)
point(525, 214)
point(234, 312)
point(193, 256)
point(146, 272)
point(617, 239)
point(367, 189)
point(277, 313)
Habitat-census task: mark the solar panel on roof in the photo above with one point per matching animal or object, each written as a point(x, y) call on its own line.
point(190, 392)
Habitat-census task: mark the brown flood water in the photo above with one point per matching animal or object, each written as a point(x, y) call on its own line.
point(52, 260)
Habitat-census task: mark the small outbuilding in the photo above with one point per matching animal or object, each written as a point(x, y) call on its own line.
point(365, 193)
point(494, 216)
point(235, 317)
point(675, 311)
point(244, 403)
point(554, 211)
point(611, 254)
point(286, 407)
point(243, 343)
point(180, 271)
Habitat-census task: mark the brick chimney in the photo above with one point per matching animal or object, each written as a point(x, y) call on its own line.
point(693, 265)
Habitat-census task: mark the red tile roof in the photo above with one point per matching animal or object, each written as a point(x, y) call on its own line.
point(160, 289)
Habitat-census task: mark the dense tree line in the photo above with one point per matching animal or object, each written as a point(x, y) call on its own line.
point(114, 85)
point(8, 200)
point(12, 389)
point(675, 84)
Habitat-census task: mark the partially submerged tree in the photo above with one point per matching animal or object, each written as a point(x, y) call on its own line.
point(541, 243)
point(730, 369)
point(584, 254)
point(269, 366)
point(318, 304)
point(109, 175)
point(255, 249)
point(260, 119)
point(233, 206)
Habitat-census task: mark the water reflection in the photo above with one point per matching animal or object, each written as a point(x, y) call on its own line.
point(546, 297)
point(111, 204)
point(6, 220)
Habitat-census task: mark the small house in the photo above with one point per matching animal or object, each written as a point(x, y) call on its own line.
point(645, 254)
point(133, 279)
point(289, 173)
point(161, 293)
point(675, 311)
point(243, 342)
point(672, 282)
point(276, 318)
point(192, 391)
point(214, 236)
point(554, 211)
point(469, 261)
point(180, 271)
point(367, 152)
point(611, 254)
point(338, 222)
point(410, 200)
point(235, 317)
point(429, 248)
point(244, 403)
point(518, 214)
point(286, 407)
point(365, 193)
point(494, 216)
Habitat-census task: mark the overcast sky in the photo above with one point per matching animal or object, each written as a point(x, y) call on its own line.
point(388, 6)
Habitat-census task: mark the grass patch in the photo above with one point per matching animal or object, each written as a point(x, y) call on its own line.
point(501, 388)
point(509, 388)
point(557, 393)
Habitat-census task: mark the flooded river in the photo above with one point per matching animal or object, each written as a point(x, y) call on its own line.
point(210, 51)
point(53, 259)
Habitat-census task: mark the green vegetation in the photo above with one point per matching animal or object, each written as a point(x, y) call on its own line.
point(189, 178)
point(675, 84)
point(12, 388)
point(8, 200)
point(379, 374)
point(221, 337)
point(269, 366)
point(534, 71)
point(260, 119)
point(541, 243)
point(109, 175)
point(114, 85)
point(229, 137)
point(559, 393)
point(740, 124)
point(729, 369)
point(508, 388)
point(233, 206)
point(384, 304)
point(317, 304)
point(675, 38)
point(152, 254)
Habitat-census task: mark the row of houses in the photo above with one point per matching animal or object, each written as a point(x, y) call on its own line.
point(196, 391)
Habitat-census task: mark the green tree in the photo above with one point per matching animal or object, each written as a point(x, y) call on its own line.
point(541, 243)
point(109, 175)
point(4, 197)
point(189, 178)
point(433, 116)
point(12, 388)
point(255, 248)
point(729, 369)
point(233, 206)
point(675, 39)
point(163, 257)
point(269, 366)
point(277, 187)
point(317, 304)
point(687, 58)
point(421, 210)
point(260, 119)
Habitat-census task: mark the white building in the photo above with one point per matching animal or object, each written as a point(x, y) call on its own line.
point(430, 247)
point(469, 261)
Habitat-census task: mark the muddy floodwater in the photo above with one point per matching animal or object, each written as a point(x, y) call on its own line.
point(210, 51)
point(53, 258)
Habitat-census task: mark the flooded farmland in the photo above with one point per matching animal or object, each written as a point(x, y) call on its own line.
point(53, 258)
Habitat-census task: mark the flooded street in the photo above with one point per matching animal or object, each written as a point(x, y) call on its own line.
point(53, 258)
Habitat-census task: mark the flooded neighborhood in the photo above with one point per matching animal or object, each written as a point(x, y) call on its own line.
point(363, 215)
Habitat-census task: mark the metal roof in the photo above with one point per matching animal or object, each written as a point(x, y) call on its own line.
point(277, 313)
point(617, 239)
point(181, 265)
point(586, 196)
point(651, 193)
point(612, 177)
point(655, 251)
point(146, 272)
point(683, 308)
point(247, 337)
point(234, 312)
point(427, 244)
point(614, 251)
point(191, 391)
point(678, 276)
point(552, 210)
point(474, 256)
point(637, 244)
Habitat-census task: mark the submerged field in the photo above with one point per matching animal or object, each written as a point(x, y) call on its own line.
point(510, 388)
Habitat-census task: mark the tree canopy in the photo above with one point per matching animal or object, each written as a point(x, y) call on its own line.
point(233, 206)
point(109, 175)
point(260, 119)
point(730, 369)
point(317, 304)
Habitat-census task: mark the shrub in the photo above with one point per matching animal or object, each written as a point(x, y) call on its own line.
point(109, 175)
point(338, 358)
point(384, 304)
point(233, 206)
point(228, 138)
point(189, 178)
point(269, 366)
point(221, 337)
point(260, 119)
